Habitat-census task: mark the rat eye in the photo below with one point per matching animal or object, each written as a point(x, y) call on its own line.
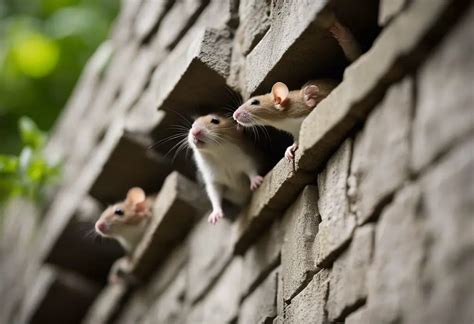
point(255, 102)
point(119, 212)
point(215, 121)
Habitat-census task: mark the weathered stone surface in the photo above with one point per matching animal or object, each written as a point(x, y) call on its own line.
point(308, 305)
point(261, 305)
point(168, 308)
point(178, 196)
point(358, 317)
point(348, 285)
point(301, 225)
point(381, 152)
point(254, 23)
point(210, 251)
point(337, 224)
point(106, 304)
point(221, 304)
point(262, 257)
point(134, 309)
point(389, 9)
point(448, 193)
point(150, 15)
point(443, 113)
point(393, 279)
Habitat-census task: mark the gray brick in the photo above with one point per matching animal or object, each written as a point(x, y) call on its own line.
point(337, 224)
point(381, 151)
point(254, 23)
point(389, 9)
point(360, 316)
point(301, 225)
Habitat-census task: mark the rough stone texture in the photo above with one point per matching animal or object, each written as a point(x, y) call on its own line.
point(308, 305)
point(221, 304)
point(209, 252)
point(301, 225)
point(106, 304)
point(337, 224)
point(389, 9)
point(262, 257)
point(381, 152)
point(444, 115)
point(254, 23)
point(358, 317)
point(393, 279)
point(151, 13)
point(261, 305)
point(348, 285)
point(448, 205)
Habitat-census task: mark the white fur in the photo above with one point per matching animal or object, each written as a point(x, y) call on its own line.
point(290, 125)
point(130, 235)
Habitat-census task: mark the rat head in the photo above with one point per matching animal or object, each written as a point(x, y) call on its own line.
point(124, 220)
point(210, 131)
point(277, 105)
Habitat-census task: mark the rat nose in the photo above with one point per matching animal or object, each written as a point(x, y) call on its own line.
point(102, 227)
point(237, 114)
point(195, 132)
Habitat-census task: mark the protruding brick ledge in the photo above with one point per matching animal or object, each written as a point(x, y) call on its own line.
point(58, 296)
point(178, 197)
point(401, 46)
point(107, 304)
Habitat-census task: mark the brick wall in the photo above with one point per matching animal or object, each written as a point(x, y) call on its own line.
point(371, 224)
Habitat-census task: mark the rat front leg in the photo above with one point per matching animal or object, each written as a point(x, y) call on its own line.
point(290, 151)
point(255, 180)
point(346, 40)
point(215, 191)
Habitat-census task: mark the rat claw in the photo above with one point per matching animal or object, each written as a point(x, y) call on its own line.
point(215, 216)
point(290, 152)
point(255, 182)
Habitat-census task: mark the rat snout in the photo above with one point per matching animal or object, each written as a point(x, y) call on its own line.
point(241, 116)
point(196, 132)
point(101, 227)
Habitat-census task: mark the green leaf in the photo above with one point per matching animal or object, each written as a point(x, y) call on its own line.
point(8, 164)
point(30, 134)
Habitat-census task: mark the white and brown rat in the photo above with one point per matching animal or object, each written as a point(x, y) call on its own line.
point(125, 221)
point(284, 109)
point(227, 161)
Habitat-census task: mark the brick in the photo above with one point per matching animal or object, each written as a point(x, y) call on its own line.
point(262, 257)
point(106, 304)
point(389, 9)
point(447, 191)
point(210, 251)
point(178, 196)
point(393, 279)
point(337, 224)
point(360, 316)
point(221, 304)
point(133, 310)
point(150, 15)
point(301, 225)
point(308, 306)
point(442, 119)
point(381, 151)
point(260, 306)
point(254, 23)
point(348, 285)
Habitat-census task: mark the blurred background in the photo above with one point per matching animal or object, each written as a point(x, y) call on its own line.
point(44, 45)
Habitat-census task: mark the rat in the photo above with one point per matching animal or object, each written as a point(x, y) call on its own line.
point(284, 109)
point(227, 161)
point(125, 221)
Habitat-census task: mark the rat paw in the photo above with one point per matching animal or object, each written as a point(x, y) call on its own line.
point(215, 216)
point(290, 152)
point(255, 182)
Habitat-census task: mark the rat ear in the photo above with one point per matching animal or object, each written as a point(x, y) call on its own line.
point(135, 196)
point(280, 93)
point(141, 207)
point(310, 95)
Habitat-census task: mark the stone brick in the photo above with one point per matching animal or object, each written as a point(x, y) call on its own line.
point(337, 224)
point(254, 23)
point(261, 305)
point(301, 225)
point(381, 152)
point(448, 193)
point(150, 15)
point(106, 304)
point(348, 285)
point(393, 279)
point(210, 251)
point(441, 118)
point(134, 309)
point(178, 196)
point(221, 304)
point(389, 9)
point(360, 316)
point(262, 257)
point(309, 305)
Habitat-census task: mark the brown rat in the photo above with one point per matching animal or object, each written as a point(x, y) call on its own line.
point(127, 220)
point(284, 109)
point(229, 164)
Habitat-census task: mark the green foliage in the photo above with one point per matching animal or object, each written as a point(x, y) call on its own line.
point(27, 174)
point(44, 45)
